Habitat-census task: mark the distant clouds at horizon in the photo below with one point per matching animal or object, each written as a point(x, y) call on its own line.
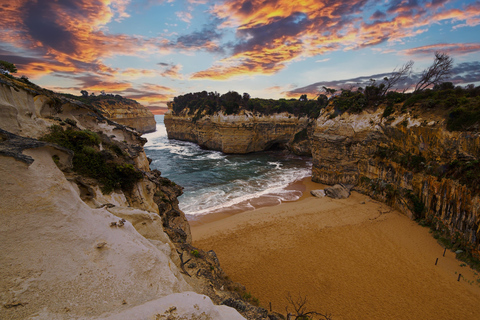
point(153, 50)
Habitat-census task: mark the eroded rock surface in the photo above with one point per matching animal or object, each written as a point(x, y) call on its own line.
point(243, 133)
point(412, 163)
point(128, 113)
point(70, 250)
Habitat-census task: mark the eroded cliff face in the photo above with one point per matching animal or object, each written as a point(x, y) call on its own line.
point(70, 250)
point(128, 113)
point(242, 133)
point(409, 162)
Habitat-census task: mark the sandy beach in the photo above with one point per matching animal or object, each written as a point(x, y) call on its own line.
point(354, 258)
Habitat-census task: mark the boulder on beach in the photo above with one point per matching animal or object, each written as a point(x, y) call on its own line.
point(339, 191)
point(318, 193)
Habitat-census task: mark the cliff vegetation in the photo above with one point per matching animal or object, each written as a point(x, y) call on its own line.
point(416, 151)
point(87, 229)
point(119, 109)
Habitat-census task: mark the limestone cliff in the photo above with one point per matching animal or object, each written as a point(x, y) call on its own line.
point(127, 112)
point(408, 159)
point(241, 133)
point(71, 250)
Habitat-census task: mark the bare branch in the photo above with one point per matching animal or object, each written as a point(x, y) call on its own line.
point(300, 309)
point(397, 75)
point(436, 73)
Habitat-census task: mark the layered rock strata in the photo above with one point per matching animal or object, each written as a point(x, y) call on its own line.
point(405, 163)
point(128, 113)
point(70, 250)
point(406, 160)
point(242, 133)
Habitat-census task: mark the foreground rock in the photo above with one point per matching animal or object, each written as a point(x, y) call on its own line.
point(71, 251)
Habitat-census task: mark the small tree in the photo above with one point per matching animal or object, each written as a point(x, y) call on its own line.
point(397, 75)
point(300, 310)
point(84, 93)
point(7, 67)
point(375, 93)
point(436, 73)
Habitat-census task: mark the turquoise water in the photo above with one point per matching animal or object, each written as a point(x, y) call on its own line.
point(214, 181)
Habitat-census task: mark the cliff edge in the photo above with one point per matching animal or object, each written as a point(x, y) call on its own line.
point(87, 230)
point(126, 112)
point(419, 153)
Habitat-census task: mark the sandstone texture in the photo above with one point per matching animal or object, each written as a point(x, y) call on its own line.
point(405, 163)
point(71, 251)
point(128, 113)
point(242, 133)
point(409, 160)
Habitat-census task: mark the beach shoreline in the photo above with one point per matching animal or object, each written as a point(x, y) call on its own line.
point(354, 258)
point(304, 186)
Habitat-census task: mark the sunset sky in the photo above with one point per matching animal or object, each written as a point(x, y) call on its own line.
point(153, 50)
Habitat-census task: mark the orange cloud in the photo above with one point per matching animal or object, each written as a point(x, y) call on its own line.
point(135, 73)
point(273, 33)
point(450, 48)
point(67, 36)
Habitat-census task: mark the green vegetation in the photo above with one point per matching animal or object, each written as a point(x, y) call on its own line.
point(195, 253)
point(452, 241)
point(247, 296)
point(7, 67)
point(92, 99)
point(461, 106)
point(204, 102)
point(466, 172)
point(107, 166)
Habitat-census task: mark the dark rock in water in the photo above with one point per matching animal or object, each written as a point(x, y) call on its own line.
point(338, 191)
point(318, 193)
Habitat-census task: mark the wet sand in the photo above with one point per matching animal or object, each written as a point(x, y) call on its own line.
point(354, 258)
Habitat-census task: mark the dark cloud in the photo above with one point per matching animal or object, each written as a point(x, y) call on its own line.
point(436, 3)
point(246, 8)
point(466, 72)
point(265, 35)
point(347, 7)
point(203, 39)
point(378, 15)
point(40, 22)
point(461, 74)
point(16, 59)
point(402, 6)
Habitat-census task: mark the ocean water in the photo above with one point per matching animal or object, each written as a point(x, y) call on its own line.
point(214, 181)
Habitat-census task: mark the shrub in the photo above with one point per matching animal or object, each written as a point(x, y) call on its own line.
point(195, 253)
point(91, 162)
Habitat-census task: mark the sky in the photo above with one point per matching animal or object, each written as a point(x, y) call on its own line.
point(154, 50)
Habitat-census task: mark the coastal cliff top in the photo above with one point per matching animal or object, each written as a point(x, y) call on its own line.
point(459, 106)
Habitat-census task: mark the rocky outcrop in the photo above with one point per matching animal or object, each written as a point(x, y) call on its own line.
point(408, 162)
point(242, 133)
point(128, 113)
point(70, 250)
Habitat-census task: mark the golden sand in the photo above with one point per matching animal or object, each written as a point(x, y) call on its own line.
point(354, 258)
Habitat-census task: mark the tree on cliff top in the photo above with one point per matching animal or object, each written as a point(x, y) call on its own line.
point(7, 67)
point(436, 73)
